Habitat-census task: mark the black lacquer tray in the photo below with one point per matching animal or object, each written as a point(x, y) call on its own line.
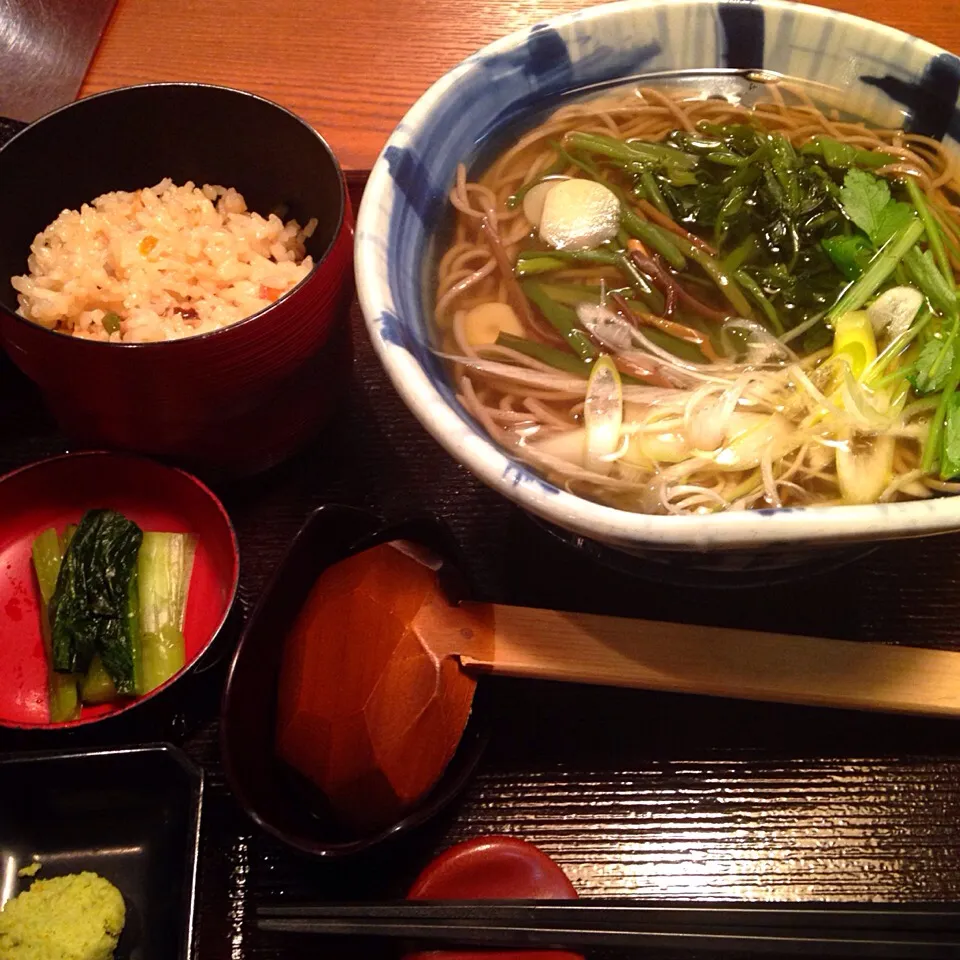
point(633, 794)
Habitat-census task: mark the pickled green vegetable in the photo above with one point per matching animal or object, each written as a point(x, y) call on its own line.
point(61, 688)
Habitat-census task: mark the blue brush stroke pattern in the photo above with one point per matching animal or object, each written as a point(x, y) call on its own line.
point(399, 334)
point(529, 78)
point(516, 473)
point(413, 179)
point(931, 100)
point(393, 330)
point(743, 26)
point(498, 90)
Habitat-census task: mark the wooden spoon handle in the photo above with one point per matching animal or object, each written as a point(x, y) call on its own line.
point(683, 658)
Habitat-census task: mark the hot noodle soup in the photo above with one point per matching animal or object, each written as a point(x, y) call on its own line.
point(677, 305)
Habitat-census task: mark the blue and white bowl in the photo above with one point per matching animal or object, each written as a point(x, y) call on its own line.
point(886, 75)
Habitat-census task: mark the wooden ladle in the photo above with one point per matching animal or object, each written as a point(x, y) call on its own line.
point(379, 673)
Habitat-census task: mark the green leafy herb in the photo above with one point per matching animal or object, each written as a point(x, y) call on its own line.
point(786, 222)
point(559, 359)
point(836, 153)
point(573, 294)
point(530, 266)
point(933, 366)
point(930, 281)
point(562, 318)
point(730, 207)
point(934, 234)
point(817, 338)
point(950, 455)
point(766, 206)
point(783, 161)
point(600, 256)
point(864, 199)
point(652, 192)
point(850, 253)
point(755, 292)
point(632, 151)
point(867, 202)
point(741, 254)
point(842, 155)
point(882, 265)
point(932, 446)
point(894, 216)
point(665, 243)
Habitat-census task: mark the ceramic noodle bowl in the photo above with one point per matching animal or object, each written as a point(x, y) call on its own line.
point(714, 49)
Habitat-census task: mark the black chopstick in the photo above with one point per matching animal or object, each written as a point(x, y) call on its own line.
point(913, 932)
point(887, 946)
point(616, 913)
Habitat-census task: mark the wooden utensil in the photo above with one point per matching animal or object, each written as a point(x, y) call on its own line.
point(379, 673)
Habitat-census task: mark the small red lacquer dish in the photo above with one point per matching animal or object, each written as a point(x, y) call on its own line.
point(493, 868)
point(55, 493)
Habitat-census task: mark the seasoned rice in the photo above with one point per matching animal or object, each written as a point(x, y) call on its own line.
point(160, 263)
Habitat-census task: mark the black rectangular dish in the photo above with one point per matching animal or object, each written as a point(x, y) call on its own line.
point(132, 815)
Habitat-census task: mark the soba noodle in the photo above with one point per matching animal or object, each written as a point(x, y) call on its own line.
point(721, 408)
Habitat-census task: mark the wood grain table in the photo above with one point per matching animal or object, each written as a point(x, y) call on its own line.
point(633, 794)
point(353, 67)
